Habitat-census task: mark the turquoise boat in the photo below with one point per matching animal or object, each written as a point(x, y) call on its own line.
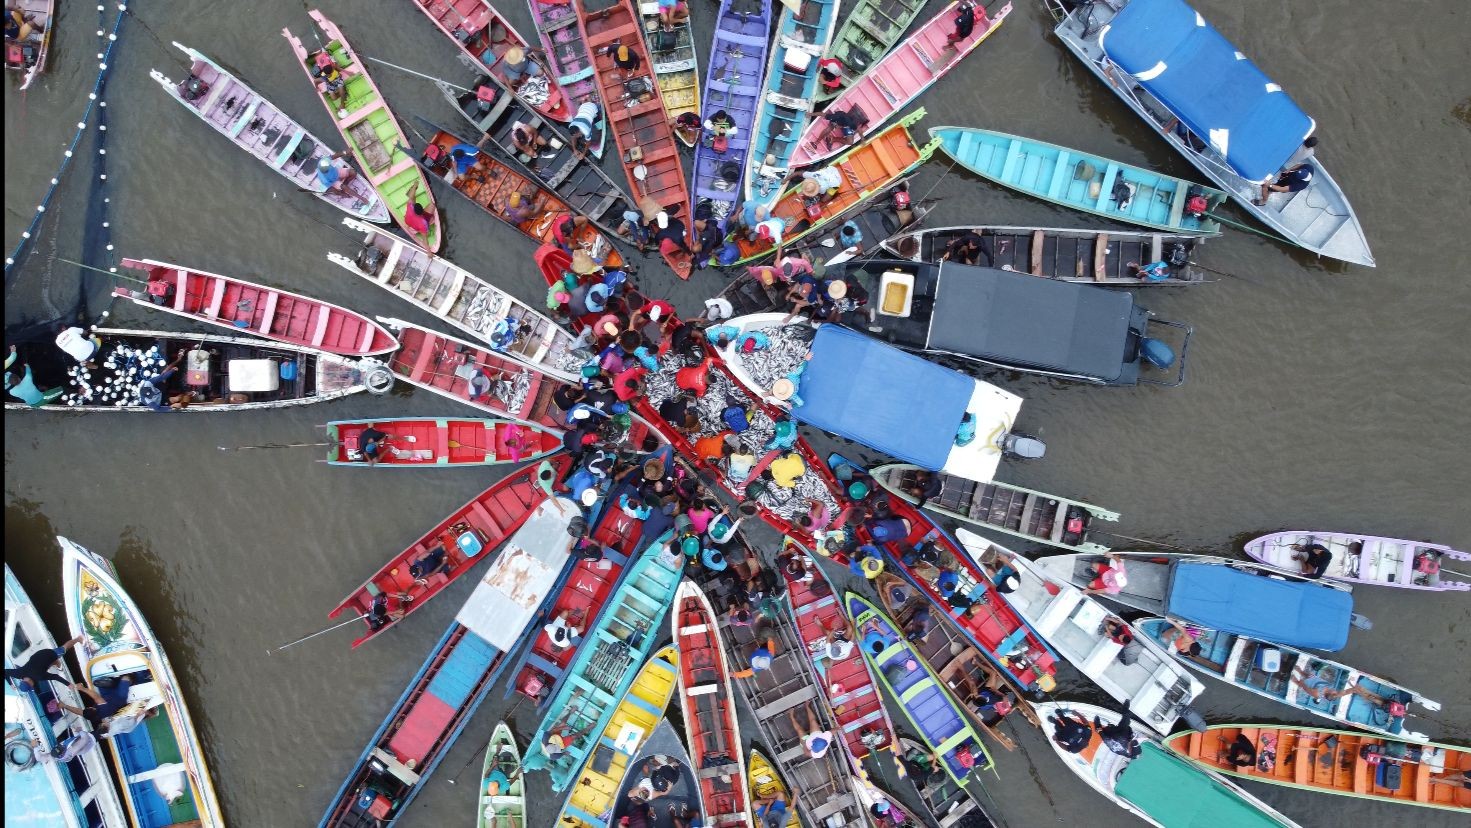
point(606, 665)
point(1083, 182)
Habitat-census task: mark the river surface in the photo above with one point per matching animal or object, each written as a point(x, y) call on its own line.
point(1319, 395)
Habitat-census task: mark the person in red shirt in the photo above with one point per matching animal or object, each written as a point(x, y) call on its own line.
point(417, 218)
point(629, 383)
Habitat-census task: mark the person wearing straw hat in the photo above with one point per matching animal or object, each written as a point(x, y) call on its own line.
point(827, 180)
point(583, 265)
point(517, 67)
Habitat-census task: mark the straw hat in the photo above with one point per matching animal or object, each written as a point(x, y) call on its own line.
point(649, 207)
point(653, 469)
point(582, 263)
point(810, 188)
point(837, 289)
point(515, 55)
point(783, 389)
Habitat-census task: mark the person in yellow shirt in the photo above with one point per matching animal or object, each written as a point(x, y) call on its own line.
point(787, 470)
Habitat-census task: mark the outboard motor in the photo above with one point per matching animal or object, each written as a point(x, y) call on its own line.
point(1360, 622)
point(370, 259)
point(1156, 353)
point(1021, 446)
point(1193, 720)
point(193, 89)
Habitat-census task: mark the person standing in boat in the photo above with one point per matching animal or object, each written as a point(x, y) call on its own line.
point(965, 23)
point(1071, 731)
point(418, 218)
point(584, 123)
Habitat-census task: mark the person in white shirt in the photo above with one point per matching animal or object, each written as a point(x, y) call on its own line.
point(77, 344)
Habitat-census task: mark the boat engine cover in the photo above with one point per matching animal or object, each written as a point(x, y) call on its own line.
point(1023, 447)
point(1156, 353)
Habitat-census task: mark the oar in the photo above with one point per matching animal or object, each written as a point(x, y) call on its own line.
point(315, 634)
point(1139, 540)
point(103, 272)
point(418, 74)
point(1223, 273)
point(277, 446)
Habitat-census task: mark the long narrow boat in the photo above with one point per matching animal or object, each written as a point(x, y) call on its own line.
point(373, 136)
point(765, 786)
point(1158, 786)
point(848, 683)
point(927, 704)
point(441, 698)
point(866, 170)
point(1115, 258)
point(222, 373)
point(1082, 181)
point(898, 78)
point(238, 305)
point(76, 793)
point(948, 805)
point(457, 296)
point(485, 36)
point(732, 86)
point(864, 40)
point(457, 369)
point(881, 217)
point(491, 183)
point(505, 806)
point(255, 125)
point(576, 179)
point(161, 762)
point(28, 55)
point(591, 800)
point(1153, 54)
point(568, 59)
point(635, 111)
point(1274, 671)
point(1157, 690)
point(539, 671)
point(443, 441)
point(602, 672)
point(662, 750)
point(1023, 513)
point(1342, 762)
point(479, 526)
point(1367, 559)
point(712, 730)
point(676, 62)
point(802, 35)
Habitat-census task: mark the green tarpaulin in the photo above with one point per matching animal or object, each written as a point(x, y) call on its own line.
point(1177, 794)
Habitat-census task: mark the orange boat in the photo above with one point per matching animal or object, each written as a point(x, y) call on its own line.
point(1346, 762)
point(635, 112)
point(867, 170)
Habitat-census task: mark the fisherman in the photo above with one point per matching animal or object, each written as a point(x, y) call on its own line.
point(333, 173)
point(1183, 639)
point(435, 561)
point(331, 79)
point(814, 739)
point(687, 126)
point(1292, 180)
point(417, 218)
point(923, 486)
point(20, 383)
point(151, 394)
point(565, 232)
point(528, 141)
point(787, 469)
point(1314, 558)
point(918, 627)
point(517, 67)
point(516, 208)
point(825, 182)
point(77, 343)
point(762, 653)
point(843, 126)
point(101, 702)
point(583, 125)
point(563, 631)
point(372, 442)
point(719, 129)
point(968, 249)
point(1118, 737)
point(624, 58)
point(1109, 576)
point(672, 12)
point(830, 73)
point(1070, 731)
point(926, 552)
point(772, 811)
point(965, 23)
point(40, 667)
point(669, 233)
point(561, 736)
point(1240, 753)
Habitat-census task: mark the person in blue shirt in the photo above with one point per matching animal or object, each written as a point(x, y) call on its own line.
point(333, 173)
point(773, 811)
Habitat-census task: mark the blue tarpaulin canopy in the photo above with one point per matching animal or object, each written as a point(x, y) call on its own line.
point(1295, 613)
point(1210, 86)
point(882, 397)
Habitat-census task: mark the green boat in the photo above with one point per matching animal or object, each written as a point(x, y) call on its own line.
point(1082, 181)
point(866, 36)
point(502, 791)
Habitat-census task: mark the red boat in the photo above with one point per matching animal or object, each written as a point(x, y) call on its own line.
point(241, 306)
point(470, 532)
point(634, 109)
point(851, 692)
point(712, 730)
point(485, 36)
point(441, 442)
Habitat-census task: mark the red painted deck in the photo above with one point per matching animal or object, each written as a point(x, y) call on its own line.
point(245, 307)
point(442, 364)
point(478, 30)
point(450, 442)
point(494, 515)
point(712, 731)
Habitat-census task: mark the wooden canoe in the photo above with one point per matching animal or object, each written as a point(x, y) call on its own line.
point(1333, 761)
point(662, 749)
point(451, 293)
point(569, 61)
point(484, 35)
point(732, 85)
point(848, 684)
point(1080, 180)
point(712, 730)
point(578, 181)
point(372, 134)
point(866, 36)
point(766, 786)
point(639, 126)
point(1368, 559)
point(898, 78)
point(29, 57)
point(472, 530)
point(802, 34)
point(1023, 513)
point(442, 442)
point(867, 169)
point(676, 65)
point(946, 803)
point(506, 806)
point(162, 757)
point(490, 183)
point(241, 306)
point(1099, 257)
point(255, 125)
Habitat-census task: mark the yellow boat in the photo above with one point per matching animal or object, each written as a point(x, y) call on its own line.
point(591, 798)
point(765, 782)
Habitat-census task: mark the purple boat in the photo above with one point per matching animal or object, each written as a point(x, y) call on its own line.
point(561, 37)
point(237, 112)
point(1366, 559)
point(930, 708)
point(733, 85)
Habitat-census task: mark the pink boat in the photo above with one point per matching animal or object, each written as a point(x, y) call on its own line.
point(1366, 559)
point(896, 80)
point(569, 59)
point(247, 307)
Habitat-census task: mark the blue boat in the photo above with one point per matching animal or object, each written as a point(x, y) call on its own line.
point(930, 708)
point(791, 87)
point(732, 86)
point(605, 667)
point(425, 721)
point(1085, 182)
point(1216, 108)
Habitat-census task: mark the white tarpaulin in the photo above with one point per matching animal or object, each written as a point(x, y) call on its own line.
point(519, 579)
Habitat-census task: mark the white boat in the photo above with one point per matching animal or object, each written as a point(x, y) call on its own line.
point(1368, 559)
point(1157, 689)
